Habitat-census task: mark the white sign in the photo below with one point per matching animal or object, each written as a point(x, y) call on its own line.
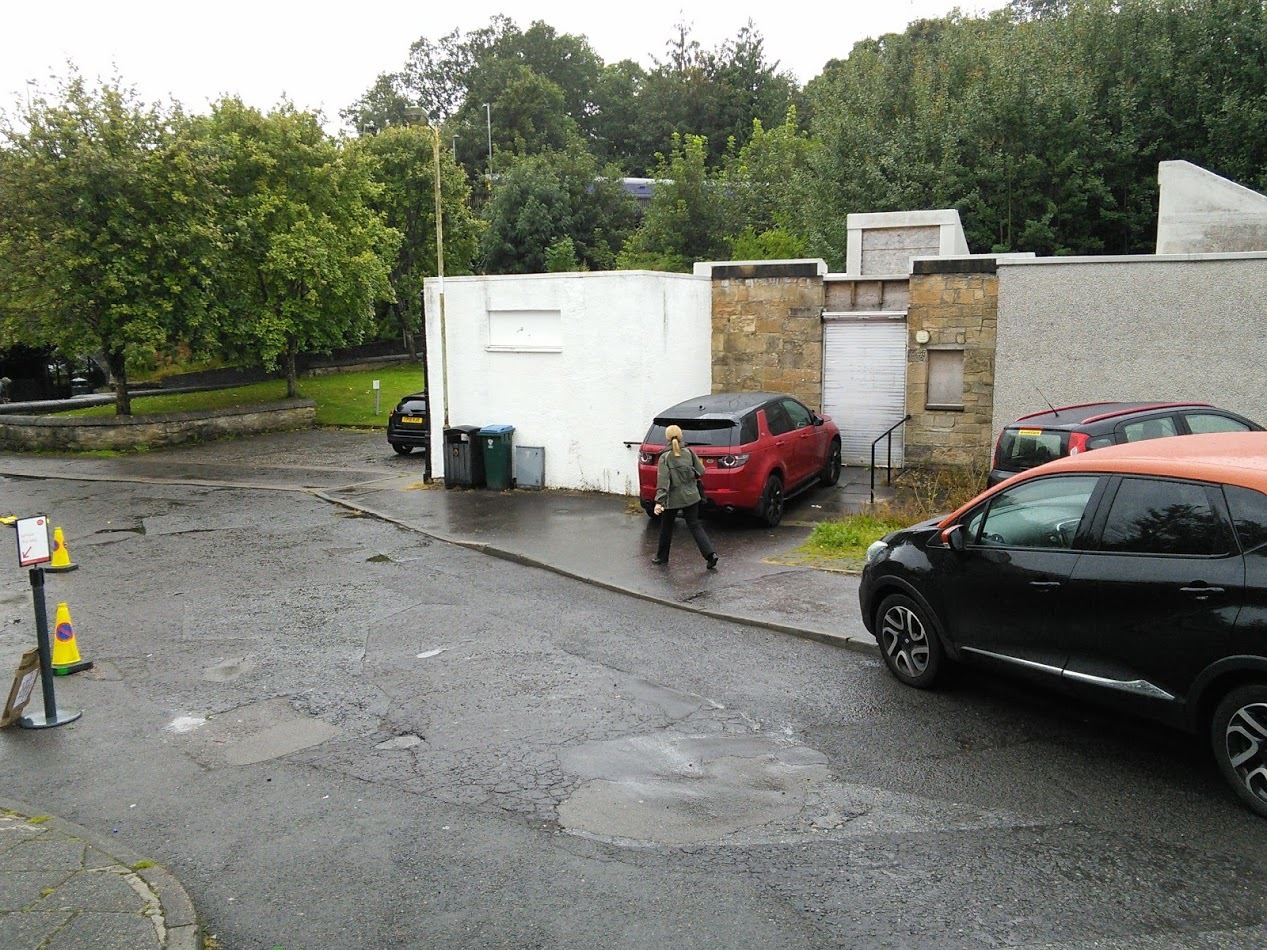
point(376, 384)
point(33, 543)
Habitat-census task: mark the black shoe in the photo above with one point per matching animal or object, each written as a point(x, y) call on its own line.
point(712, 562)
point(659, 560)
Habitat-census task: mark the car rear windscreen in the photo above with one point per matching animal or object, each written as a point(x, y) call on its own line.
point(717, 433)
point(1020, 449)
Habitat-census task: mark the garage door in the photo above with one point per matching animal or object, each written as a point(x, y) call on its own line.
point(864, 381)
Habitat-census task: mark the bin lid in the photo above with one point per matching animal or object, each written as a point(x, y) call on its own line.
point(466, 429)
point(496, 430)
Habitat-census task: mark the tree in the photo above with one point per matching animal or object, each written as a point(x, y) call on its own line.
point(541, 199)
point(403, 165)
point(307, 255)
point(690, 217)
point(107, 229)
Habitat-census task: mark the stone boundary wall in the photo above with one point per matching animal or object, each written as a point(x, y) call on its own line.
point(123, 433)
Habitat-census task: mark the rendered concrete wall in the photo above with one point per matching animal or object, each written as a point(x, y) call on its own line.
point(884, 243)
point(601, 354)
point(1201, 213)
point(1073, 330)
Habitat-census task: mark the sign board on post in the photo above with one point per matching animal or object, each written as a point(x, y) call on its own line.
point(33, 542)
point(23, 686)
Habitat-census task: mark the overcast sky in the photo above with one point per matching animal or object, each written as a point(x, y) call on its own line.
point(324, 56)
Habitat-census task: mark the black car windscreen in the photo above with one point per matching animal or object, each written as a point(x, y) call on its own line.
point(718, 433)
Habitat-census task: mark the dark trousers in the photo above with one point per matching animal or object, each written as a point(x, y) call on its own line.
point(691, 514)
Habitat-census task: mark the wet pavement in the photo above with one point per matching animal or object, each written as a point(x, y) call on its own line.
point(602, 539)
point(61, 887)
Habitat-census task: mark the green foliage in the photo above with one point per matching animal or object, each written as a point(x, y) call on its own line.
point(561, 257)
point(108, 231)
point(772, 245)
point(343, 399)
point(403, 162)
point(690, 217)
point(307, 254)
point(542, 199)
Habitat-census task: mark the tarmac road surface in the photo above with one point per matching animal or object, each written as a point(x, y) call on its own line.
point(338, 731)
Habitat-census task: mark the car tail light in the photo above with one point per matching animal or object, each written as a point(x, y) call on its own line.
point(732, 461)
point(1077, 442)
point(646, 458)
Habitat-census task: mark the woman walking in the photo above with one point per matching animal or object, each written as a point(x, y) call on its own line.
point(677, 489)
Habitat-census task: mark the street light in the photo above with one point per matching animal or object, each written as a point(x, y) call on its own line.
point(418, 113)
point(488, 114)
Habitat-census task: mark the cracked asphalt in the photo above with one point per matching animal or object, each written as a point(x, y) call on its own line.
point(339, 731)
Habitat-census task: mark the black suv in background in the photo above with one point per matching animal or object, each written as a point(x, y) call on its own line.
point(407, 427)
point(1043, 436)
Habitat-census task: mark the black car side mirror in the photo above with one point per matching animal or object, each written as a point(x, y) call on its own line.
point(953, 538)
point(816, 419)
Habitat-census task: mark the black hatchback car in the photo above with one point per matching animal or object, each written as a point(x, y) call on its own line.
point(1042, 436)
point(1134, 576)
point(407, 426)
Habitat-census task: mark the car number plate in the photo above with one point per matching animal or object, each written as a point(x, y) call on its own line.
point(411, 420)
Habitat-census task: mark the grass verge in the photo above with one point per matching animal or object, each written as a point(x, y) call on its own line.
point(921, 494)
point(343, 399)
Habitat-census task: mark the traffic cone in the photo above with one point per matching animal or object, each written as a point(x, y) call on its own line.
point(65, 650)
point(61, 554)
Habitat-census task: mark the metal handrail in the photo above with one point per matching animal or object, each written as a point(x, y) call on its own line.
point(888, 434)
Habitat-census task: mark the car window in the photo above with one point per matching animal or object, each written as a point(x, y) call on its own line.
point(1020, 448)
point(1099, 442)
point(1044, 513)
point(748, 428)
point(1199, 422)
point(1249, 515)
point(777, 419)
point(1146, 429)
point(718, 433)
point(1160, 516)
point(799, 415)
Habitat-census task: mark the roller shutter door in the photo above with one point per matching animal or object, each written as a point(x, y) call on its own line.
point(864, 382)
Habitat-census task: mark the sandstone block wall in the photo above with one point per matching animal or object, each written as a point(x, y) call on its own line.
point(956, 303)
point(768, 329)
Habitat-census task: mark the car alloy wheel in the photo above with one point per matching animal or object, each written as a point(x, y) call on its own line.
point(1238, 736)
point(908, 644)
point(831, 473)
point(772, 501)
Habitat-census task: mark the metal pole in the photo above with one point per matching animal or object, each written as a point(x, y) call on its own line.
point(444, 353)
point(51, 716)
point(488, 113)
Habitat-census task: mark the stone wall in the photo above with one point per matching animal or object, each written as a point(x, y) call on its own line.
point(953, 307)
point(768, 329)
point(123, 433)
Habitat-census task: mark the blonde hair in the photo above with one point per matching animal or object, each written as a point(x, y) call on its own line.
point(674, 435)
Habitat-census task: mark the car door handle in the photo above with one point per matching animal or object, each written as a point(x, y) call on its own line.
point(1202, 592)
point(1045, 585)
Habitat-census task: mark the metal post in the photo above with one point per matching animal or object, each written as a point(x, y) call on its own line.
point(444, 352)
point(488, 113)
point(51, 715)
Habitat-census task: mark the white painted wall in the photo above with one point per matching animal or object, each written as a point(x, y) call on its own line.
point(577, 363)
point(1076, 330)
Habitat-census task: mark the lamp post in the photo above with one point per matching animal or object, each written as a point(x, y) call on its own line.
point(418, 113)
point(488, 114)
